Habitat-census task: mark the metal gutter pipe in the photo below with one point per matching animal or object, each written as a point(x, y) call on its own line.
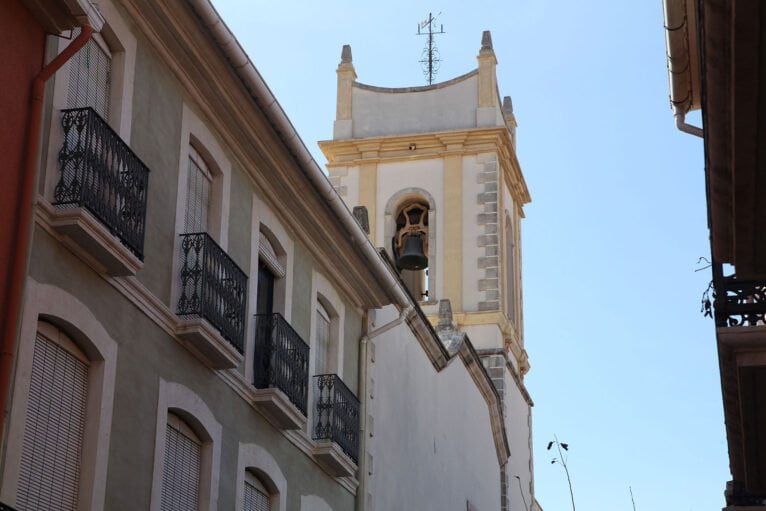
point(687, 128)
point(18, 269)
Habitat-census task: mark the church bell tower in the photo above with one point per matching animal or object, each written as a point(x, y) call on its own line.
point(436, 169)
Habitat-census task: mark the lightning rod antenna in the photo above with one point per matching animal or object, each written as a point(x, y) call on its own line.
point(430, 60)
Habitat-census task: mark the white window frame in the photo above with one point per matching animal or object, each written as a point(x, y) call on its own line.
point(53, 305)
point(180, 400)
point(116, 33)
point(253, 457)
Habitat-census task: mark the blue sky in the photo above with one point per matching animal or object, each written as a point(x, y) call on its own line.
point(624, 367)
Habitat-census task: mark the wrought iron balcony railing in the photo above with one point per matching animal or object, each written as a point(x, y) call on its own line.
point(738, 302)
point(213, 287)
point(100, 173)
point(281, 359)
point(336, 416)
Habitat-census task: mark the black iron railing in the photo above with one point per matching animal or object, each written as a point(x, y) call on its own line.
point(100, 173)
point(336, 414)
point(212, 287)
point(738, 302)
point(281, 359)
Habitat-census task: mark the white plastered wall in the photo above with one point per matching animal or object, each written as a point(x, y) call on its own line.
point(381, 112)
point(517, 420)
point(432, 426)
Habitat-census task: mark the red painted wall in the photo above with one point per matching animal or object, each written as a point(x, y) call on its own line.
point(21, 58)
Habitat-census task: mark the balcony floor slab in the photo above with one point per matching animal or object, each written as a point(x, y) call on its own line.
point(205, 340)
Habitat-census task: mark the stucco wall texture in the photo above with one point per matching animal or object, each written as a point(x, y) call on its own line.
point(433, 426)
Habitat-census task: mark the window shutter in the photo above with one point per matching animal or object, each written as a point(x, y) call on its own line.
point(256, 496)
point(197, 194)
point(180, 475)
point(49, 472)
point(90, 76)
point(323, 339)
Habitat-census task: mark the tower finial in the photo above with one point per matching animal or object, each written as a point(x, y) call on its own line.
point(507, 105)
point(345, 54)
point(486, 41)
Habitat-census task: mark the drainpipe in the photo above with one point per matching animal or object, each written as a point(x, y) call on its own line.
point(361, 491)
point(18, 269)
point(687, 128)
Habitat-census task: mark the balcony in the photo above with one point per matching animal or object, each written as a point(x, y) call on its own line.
point(212, 301)
point(100, 196)
point(740, 313)
point(281, 371)
point(336, 425)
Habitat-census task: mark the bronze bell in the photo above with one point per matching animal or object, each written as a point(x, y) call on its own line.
point(412, 256)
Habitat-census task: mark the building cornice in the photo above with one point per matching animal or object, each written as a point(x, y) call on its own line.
point(439, 144)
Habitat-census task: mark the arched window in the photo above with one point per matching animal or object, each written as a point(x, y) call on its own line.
point(410, 247)
point(182, 464)
point(324, 339)
point(51, 456)
point(257, 497)
point(199, 183)
point(90, 76)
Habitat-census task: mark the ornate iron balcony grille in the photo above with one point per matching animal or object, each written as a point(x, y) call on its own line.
point(212, 287)
point(281, 359)
point(100, 173)
point(738, 302)
point(336, 415)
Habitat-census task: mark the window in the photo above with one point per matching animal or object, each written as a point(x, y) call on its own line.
point(324, 321)
point(198, 184)
point(90, 76)
point(181, 471)
point(51, 456)
point(256, 497)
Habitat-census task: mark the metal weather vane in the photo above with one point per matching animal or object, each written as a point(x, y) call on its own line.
point(431, 60)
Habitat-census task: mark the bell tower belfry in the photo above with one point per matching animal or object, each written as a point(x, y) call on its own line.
point(436, 168)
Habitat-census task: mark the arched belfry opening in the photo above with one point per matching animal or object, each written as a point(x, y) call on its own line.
point(410, 247)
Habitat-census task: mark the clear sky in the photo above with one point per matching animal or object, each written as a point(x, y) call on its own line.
point(624, 366)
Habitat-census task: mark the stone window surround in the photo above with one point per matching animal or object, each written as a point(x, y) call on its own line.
point(255, 458)
point(183, 402)
point(122, 45)
point(195, 133)
point(53, 305)
point(264, 220)
point(393, 205)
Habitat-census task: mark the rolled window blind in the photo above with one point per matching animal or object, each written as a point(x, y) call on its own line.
point(49, 472)
point(181, 472)
point(256, 496)
point(90, 76)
